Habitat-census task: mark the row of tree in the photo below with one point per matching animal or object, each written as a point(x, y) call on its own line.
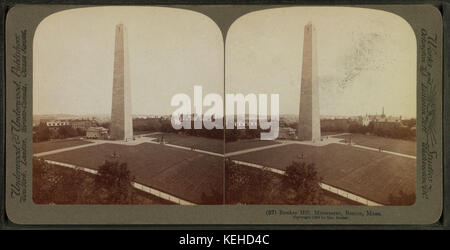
point(396, 132)
point(229, 134)
point(43, 133)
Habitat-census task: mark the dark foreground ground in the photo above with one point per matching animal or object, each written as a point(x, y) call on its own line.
point(182, 173)
point(370, 174)
point(60, 185)
point(193, 176)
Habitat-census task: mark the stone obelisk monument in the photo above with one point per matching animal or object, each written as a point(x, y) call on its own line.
point(309, 119)
point(121, 120)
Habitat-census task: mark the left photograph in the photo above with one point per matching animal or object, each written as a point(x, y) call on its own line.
point(104, 79)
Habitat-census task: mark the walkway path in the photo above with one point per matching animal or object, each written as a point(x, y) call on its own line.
point(370, 148)
point(94, 143)
point(282, 143)
point(378, 150)
point(333, 135)
point(321, 143)
point(147, 134)
point(135, 142)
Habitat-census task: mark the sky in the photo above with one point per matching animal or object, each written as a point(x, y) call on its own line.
point(366, 59)
point(170, 51)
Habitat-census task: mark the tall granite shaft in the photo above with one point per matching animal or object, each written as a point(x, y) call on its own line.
point(121, 120)
point(309, 118)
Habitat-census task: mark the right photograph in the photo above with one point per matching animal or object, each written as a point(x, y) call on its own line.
point(345, 80)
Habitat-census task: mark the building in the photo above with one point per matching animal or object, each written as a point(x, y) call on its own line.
point(386, 125)
point(246, 124)
point(54, 125)
point(82, 123)
point(286, 133)
point(97, 133)
point(74, 123)
point(382, 120)
point(57, 123)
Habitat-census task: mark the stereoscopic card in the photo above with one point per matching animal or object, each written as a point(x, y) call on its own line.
point(224, 114)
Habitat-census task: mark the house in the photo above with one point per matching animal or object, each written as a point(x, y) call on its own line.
point(286, 133)
point(54, 125)
point(97, 133)
point(83, 124)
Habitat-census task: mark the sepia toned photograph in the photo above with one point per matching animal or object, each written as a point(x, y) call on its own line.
point(159, 106)
point(102, 106)
point(346, 80)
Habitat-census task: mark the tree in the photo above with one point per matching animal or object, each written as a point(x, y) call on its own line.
point(166, 126)
point(106, 125)
point(300, 184)
point(50, 186)
point(58, 185)
point(67, 132)
point(81, 132)
point(247, 185)
point(42, 133)
point(113, 183)
point(409, 123)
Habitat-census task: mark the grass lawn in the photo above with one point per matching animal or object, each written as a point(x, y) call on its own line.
point(182, 173)
point(203, 143)
point(211, 145)
point(246, 144)
point(370, 174)
point(39, 147)
point(389, 144)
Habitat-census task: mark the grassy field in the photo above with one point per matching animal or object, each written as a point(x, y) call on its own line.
point(182, 173)
point(203, 143)
point(370, 174)
point(246, 144)
point(209, 144)
point(394, 145)
point(39, 147)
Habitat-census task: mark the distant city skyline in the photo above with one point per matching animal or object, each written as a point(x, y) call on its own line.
point(158, 115)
